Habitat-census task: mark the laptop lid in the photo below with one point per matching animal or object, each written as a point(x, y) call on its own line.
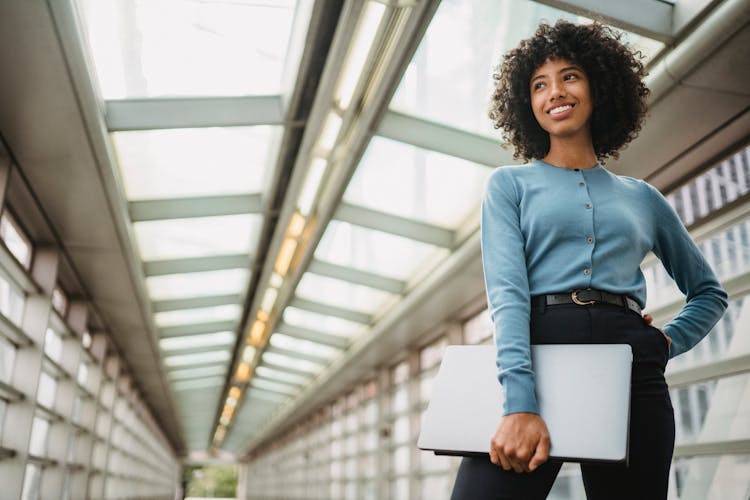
point(583, 391)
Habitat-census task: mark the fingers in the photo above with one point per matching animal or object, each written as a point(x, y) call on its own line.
point(541, 454)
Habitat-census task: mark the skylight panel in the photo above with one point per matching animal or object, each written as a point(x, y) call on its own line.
point(199, 372)
point(325, 290)
point(197, 358)
point(292, 363)
point(197, 341)
point(188, 47)
point(174, 163)
point(373, 251)
point(200, 284)
point(303, 346)
point(416, 183)
point(196, 237)
point(320, 322)
point(292, 378)
point(228, 312)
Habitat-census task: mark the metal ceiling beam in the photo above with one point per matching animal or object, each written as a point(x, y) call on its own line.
point(400, 226)
point(195, 302)
point(313, 336)
point(328, 310)
point(203, 206)
point(357, 277)
point(733, 446)
point(443, 139)
point(709, 371)
point(650, 18)
point(197, 328)
point(197, 264)
point(161, 113)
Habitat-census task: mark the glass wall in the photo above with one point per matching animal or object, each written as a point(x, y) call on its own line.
point(71, 424)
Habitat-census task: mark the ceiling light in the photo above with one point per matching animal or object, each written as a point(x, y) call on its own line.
point(268, 299)
point(312, 183)
point(358, 52)
point(256, 333)
point(243, 372)
point(276, 280)
point(296, 225)
point(285, 256)
point(330, 132)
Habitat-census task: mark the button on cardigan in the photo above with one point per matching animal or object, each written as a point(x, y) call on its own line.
point(548, 229)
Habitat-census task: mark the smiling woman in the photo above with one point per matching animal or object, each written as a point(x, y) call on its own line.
point(612, 70)
point(562, 227)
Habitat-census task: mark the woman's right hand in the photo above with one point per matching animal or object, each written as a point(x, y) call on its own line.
point(521, 442)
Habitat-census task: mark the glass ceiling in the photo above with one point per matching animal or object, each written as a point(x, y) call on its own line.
point(401, 214)
point(449, 79)
point(194, 193)
point(214, 48)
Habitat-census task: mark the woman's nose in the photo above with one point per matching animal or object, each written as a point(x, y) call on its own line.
point(557, 89)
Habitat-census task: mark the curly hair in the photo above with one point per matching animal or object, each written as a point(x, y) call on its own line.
point(615, 74)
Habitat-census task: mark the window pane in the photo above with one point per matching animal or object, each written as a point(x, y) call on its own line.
point(11, 301)
point(319, 322)
point(159, 164)
point(133, 57)
point(201, 284)
point(15, 240)
point(7, 354)
point(38, 442)
point(340, 293)
point(197, 341)
point(196, 237)
point(46, 391)
point(229, 312)
point(53, 344)
point(290, 362)
point(303, 346)
point(203, 358)
point(31, 480)
point(724, 477)
point(280, 375)
point(374, 251)
point(204, 371)
point(432, 187)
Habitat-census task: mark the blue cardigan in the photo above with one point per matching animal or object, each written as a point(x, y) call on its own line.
point(548, 229)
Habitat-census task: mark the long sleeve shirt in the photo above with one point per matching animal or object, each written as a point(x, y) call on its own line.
point(548, 229)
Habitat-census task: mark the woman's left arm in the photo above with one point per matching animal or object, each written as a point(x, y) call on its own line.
point(705, 298)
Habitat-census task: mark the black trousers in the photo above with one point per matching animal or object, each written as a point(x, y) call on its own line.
point(651, 414)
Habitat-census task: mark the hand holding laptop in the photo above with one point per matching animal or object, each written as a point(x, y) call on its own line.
point(521, 442)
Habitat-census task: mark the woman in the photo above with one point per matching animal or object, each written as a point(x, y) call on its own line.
point(562, 242)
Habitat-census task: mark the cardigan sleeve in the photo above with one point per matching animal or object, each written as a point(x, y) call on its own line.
point(506, 281)
point(705, 298)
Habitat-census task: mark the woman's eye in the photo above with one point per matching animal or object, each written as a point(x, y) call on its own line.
point(538, 85)
point(569, 76)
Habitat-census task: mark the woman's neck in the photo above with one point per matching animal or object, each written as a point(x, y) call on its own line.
point(571, 152)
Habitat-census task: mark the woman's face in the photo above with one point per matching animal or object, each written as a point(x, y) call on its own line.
point(561, 98)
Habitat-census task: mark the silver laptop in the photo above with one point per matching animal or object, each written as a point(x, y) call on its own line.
point(583, 393)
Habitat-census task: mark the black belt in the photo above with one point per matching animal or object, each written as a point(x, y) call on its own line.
point(584, 298)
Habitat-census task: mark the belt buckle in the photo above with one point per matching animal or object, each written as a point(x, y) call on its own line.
point(574, 296)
